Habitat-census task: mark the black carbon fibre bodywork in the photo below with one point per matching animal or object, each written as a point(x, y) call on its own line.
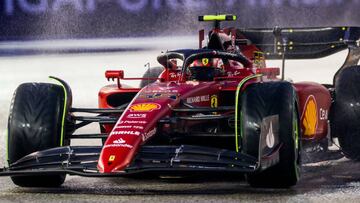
point(160, 159)
point(301, 43)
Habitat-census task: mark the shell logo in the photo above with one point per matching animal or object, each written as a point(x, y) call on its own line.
point(310, 117)
point(144, 107)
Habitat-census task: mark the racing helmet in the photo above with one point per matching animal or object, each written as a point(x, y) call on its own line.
point(219, 41)
point(205, 69)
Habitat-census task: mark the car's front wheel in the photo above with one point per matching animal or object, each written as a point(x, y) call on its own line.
point(36, 122)
point(275, 100)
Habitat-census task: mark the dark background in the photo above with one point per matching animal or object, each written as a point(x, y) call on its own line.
point(64, 19)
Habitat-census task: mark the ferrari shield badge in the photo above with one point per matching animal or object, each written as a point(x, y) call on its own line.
point(111, 159)
point(205, 61)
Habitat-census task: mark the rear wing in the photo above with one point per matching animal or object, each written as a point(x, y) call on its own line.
point(301, 43)
point(292, 43)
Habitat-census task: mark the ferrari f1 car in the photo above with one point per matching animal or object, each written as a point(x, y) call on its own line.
point(216, 109)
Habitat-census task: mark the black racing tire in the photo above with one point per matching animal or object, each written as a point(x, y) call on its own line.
point(152, 72)
point(260, 100)
point(35, 124)
point(345, 119)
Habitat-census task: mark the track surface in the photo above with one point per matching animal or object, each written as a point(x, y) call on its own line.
point(330, 181)
point(335, 181)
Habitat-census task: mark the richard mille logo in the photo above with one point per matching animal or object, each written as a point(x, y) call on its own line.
point(270, 139)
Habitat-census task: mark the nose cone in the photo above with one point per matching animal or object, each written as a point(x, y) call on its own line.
point(118, 152)
point(136, 125)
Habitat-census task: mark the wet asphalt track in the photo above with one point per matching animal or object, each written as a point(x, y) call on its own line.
point(327, 181)
point(334, 181)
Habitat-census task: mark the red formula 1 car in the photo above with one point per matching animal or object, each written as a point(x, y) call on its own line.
point(216, 109)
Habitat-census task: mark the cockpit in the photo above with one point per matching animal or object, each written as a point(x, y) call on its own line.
point(202, 64)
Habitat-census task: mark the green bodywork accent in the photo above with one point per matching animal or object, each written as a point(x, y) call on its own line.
point(64, 111)
point(241, 83)
point(296, 137)
point(296, 131)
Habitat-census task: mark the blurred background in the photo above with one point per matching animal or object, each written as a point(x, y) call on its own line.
point(77, 40)
point(64, 19)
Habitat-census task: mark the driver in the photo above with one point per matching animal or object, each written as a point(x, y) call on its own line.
point(224, 42)
point(206, 69)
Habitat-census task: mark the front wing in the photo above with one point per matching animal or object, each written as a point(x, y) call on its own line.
point(82, 160)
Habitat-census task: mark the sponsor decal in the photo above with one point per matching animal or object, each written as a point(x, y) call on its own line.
point(259, 59)
point(131, 122)
point(130, 126)
point(144, 107)
point(194, 83)
point(323, 114)
point(269, 133)
point(167, 89)
point(138, 127)
point(118, 145)
point(124, 126)
point(174, 75)
point(152, 96)
point(137, 115)
point(161, 91)
point(309, 118)
point(126, 132)
point(158, 96)
point(119, 141)
point(198, 99)
point(232, 74)
point(214, 101)
point(148, 134)
point(270, 138)
point(205, 61)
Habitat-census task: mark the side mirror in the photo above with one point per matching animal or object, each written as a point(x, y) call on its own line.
point(114, 74)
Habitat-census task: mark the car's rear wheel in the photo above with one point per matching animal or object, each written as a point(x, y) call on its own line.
point(345, 119)
point(258, 102)
point(36, 123)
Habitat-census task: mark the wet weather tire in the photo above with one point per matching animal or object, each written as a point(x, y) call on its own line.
point(153, 72)
point(261, 100)
point(345, 120)
point(35, 124)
